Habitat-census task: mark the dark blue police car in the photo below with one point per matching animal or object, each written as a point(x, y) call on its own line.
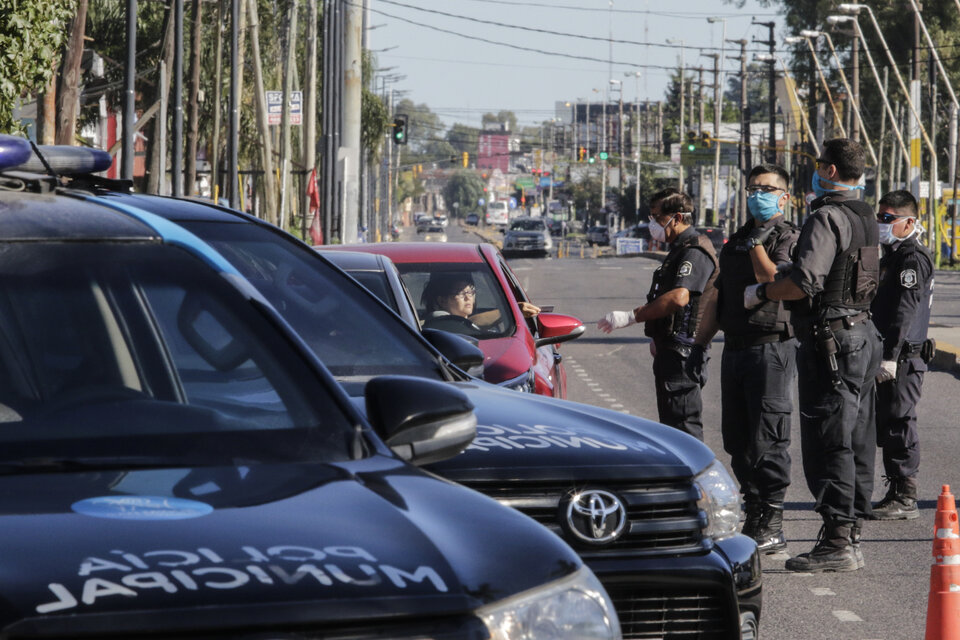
point(175, 463)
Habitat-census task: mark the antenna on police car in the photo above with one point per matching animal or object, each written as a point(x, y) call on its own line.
point(46, 165)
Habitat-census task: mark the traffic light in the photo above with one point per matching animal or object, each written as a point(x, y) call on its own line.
point(466, 159)
point(705, 140)
point(604, 155)
point(583, 153)
point(691, 141)
point(400, 129)
point(592, 160)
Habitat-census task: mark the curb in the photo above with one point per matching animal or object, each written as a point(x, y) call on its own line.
point(946, 358)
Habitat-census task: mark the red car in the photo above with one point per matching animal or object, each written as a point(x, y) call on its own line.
point(519, 352)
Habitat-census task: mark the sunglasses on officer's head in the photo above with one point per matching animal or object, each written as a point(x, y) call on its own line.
point(889, 218)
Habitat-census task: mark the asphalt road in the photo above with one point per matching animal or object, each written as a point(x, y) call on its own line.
point(888, 598)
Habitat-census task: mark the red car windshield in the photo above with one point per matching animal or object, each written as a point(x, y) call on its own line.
point(459, 297)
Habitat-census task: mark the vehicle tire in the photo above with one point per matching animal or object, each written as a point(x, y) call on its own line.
point(749, 626)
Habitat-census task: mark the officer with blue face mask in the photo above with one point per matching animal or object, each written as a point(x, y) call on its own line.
point(758, 365)
point(901, 312)
point(831, 283)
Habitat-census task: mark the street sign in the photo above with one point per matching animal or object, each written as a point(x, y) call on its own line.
point(481, 202)
point(513, 203)
point(275, 107)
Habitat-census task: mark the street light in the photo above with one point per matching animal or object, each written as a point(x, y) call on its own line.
point(843, 77)
point(766, 57)
point(810, 36)
point(682, 83)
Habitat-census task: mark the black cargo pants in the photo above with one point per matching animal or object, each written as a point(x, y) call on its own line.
point(897, 419)
point(837, 432)
point(756, 385)
point(680, 371)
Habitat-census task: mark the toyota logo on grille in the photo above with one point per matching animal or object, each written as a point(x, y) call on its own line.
point(596, 516)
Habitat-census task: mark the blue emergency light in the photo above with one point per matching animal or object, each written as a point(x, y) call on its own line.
point(64, 160)
point(14, 151)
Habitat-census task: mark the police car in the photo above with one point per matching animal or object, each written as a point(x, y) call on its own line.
point(176, 463)
point(650, 509)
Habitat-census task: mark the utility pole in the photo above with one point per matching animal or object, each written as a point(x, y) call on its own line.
point(310, 109)
point(352, 90)
point(193, 126)
point(129, 92)
point(680, 132)
point(740, 218)
point(701, 201)
point(217, 87)
point(772, 154)
point(286, 148)
point(266, 140)
point(233, 141)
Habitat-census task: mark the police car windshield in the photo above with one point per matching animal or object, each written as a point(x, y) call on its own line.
point(141, 350)
point(347, 328)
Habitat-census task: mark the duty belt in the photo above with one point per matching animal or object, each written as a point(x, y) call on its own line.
point(847, 322)
point(909, 350)
point(742, 342)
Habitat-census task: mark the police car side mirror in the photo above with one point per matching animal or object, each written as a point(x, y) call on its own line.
point(422, 421)
point(554, 328)
point(460, 350)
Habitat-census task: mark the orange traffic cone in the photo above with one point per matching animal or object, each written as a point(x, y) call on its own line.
point(943, 605)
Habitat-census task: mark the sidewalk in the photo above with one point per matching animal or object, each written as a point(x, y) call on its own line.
point(947, 357)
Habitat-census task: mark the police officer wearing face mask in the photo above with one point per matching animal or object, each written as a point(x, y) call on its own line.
point(833, 280)
point(759, 358)
point(901, 312)
point(680, 296)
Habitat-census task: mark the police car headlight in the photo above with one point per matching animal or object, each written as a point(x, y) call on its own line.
point(719, 500)
point(523, 383)
point(574, 608)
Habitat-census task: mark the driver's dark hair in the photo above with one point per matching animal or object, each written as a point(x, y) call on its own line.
point(673, 201)
point(440, 285)
point(767, 168)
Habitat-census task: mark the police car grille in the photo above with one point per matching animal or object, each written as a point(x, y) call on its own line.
point(661, 516)
point(670, 614)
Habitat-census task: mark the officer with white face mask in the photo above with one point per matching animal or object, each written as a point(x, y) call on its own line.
point(681, 297)
point(901, 312)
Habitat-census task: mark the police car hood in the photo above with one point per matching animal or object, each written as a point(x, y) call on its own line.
point(166, 550)
point(524, 436)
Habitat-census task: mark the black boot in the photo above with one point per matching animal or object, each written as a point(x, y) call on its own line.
point(855, 533)
point(769, 534)
point(752, 510)
point(833, 552)
point(900, 503)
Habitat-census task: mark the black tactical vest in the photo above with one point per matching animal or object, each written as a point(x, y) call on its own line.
point(685, 321)
point(855, 274)
point(895, 277)
point(736, 273)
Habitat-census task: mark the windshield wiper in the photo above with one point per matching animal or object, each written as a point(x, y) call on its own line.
point(49, 464)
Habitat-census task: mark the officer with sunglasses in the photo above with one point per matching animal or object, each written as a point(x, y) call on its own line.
point(832, 282)
point(680, 299)
point(901, 312)
point(759, 360)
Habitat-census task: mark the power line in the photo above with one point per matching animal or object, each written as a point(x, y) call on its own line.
point(686, 15)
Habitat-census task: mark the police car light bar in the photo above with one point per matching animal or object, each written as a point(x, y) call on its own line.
point(65, 160)
point(14, 151)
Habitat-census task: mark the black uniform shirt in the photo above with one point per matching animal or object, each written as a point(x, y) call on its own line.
point(825, 234)
point(901, 309)
point(694, 267)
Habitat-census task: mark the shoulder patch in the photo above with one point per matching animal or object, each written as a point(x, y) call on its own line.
point(908, 278)
point(686, 268)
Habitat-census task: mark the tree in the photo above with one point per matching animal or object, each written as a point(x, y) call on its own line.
point(464, 187)
point(463, 138)
point(494, 120)
point(31, 35)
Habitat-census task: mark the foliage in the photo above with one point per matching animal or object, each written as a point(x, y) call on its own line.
point(31, 34)
point(408, 186)
point(374, 117)
point(463, 138)
point(464, 187)
point(494, 120)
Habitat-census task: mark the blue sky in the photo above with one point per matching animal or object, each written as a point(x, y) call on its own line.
point(462, 76)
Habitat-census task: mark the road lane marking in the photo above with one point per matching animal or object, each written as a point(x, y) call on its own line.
point(611, 268)
point(847, 616)
point(822, 591)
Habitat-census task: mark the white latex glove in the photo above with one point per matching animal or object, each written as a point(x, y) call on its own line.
point(750, 298)
point(888, 371)
point(616, 320)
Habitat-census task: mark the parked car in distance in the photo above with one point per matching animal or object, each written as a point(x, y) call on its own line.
point(432, 233)
point(716, 235)
point(441, 219)
point(520, 353)
point(472, 219)
point(527, 237)
point(178, 463)
point(598, 235)
point(677, 566)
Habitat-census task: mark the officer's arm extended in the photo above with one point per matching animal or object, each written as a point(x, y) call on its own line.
point(670, 302)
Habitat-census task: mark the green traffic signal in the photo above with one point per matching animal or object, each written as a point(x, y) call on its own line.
point(691, 147)
point(592, 160)
point(603, 155)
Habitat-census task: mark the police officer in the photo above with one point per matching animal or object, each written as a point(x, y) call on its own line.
point(759, 358)
point(833, 281)
point(681, 293)
point(901, 312)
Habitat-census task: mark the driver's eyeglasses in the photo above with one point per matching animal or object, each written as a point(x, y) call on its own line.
point(765, 188)
point(466, 294)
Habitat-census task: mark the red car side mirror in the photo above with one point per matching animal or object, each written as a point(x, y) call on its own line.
point(556, 327)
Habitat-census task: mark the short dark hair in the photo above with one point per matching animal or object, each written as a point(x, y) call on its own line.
point(846, 155)
point(443, 284)
point(766, 168)
point(672, 201)
point(900, 199)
